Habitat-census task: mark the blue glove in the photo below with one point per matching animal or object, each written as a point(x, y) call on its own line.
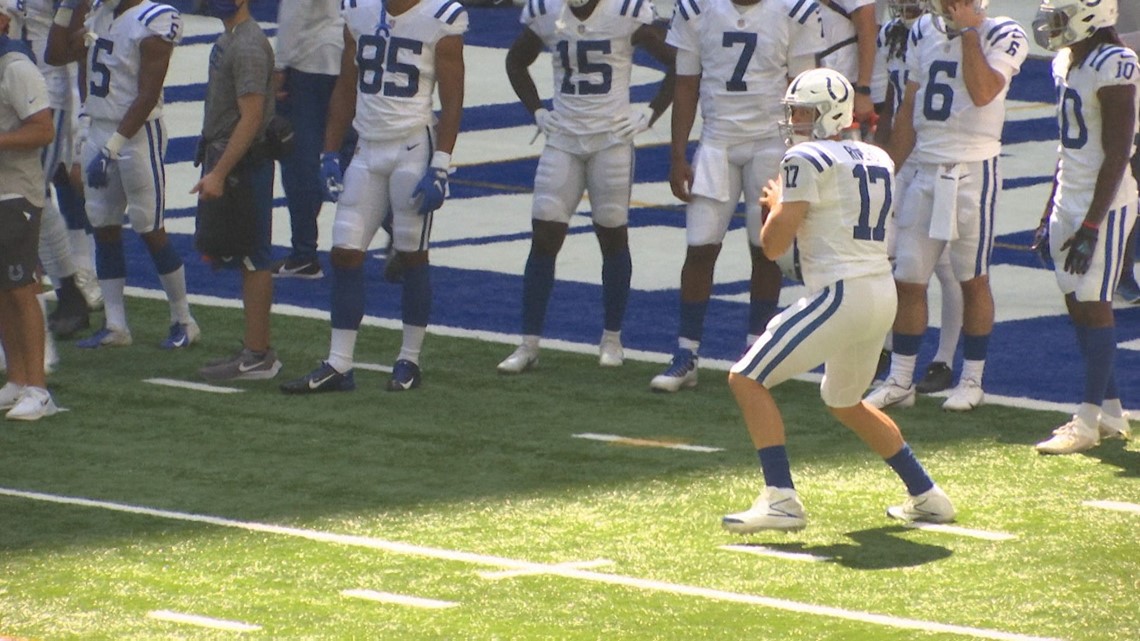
point(332, 178)
point(97, 169)
point(433, 189)
point(1081, 247)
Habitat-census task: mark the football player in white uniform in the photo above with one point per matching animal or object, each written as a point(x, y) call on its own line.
point(850, 28)
point(589, 146)
point(948, 129)
point(833, 198)
point(65, 244)
point(735, 58)
point(1128, 290)
point(127, 45)
point(396, 53)
point(1093, 205)
point(892, 45)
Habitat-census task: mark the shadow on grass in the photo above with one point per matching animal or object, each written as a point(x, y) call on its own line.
point(873, 549)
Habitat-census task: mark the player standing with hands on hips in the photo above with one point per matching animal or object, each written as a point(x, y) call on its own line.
point(1093, 205)
point(833, 199)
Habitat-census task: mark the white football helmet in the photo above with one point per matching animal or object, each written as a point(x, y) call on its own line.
point(829, 94)
point(906, 10)
point(1060, 23)
point(942, 20)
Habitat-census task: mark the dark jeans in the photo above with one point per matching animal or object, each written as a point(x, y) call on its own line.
point(306, 107)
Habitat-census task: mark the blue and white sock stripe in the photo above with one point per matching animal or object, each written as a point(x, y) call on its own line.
point(988, 203)
point(153, 130)
point(793, 332)
point(1114, 238)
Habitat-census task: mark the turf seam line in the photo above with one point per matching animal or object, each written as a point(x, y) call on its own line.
point(650, 585)
point(576, 565)
point(201, 621)
point(398, 599)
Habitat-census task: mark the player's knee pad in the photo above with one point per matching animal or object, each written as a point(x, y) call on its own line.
point(706, 221)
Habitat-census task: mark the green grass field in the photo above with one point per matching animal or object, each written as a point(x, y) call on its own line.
point(473, 491)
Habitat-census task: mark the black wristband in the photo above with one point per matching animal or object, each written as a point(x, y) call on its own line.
point(863, 90)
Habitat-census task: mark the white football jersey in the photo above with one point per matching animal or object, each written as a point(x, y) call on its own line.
point(890, 61)
point(949, 128)
point(848, 187)
point(34, 24)
point(1081, 124)
point(592, 58)
point(842, 52)
point(396, 70)
point(745, 53)
point(114, 57)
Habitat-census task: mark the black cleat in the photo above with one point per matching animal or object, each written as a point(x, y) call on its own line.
point(938, 377)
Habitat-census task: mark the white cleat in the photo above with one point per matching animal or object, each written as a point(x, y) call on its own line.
point(932, 506)
point(777, 508)
point(891, 394)
point(610, 353)
point(521, 360)
point(106, 337)
point(1114, 427)
point(965, 397)
point(88, 285)
point(1072, 437)
point(9, 394)
point(35, 403)
point(681, 373)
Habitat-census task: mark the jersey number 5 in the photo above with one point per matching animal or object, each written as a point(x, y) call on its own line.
point(872, 175)
point(376, 54)
point(100, 83)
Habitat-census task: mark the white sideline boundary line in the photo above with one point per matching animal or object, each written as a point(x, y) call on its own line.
point(644, 442)
point(202, 622)
point(960, 531)
point(398, 599)
point(577, 565)
point(1116, 506)
point(408, 549)
point(763, 550)
point(644, 356)
point(197, 387)
point(373, 367)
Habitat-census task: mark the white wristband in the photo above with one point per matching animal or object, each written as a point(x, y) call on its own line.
point(441, 160)
point(63, 17)
point(115, 144)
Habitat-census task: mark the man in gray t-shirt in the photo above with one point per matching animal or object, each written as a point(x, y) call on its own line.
point(25, 129)
point(236, 190)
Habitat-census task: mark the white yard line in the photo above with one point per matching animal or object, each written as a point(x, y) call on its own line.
point(960, 531)
point(197, 387)
point(373, 367)
point(202, 622)
point(642, 442)
point(577, 565)
point(398, 599)
point(1117, 506)
point(761, 550)
point(408, 549)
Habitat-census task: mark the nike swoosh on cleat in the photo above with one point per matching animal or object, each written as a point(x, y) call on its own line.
point(774, 510)
point(243, 368)
point(181, 342)
point(317, 383)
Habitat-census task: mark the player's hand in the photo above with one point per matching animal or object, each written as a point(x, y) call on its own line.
point(635, 123)
point(1081, 247)
point(432, 188)
point(770, 196)
point(965, 14)
point(211, 186)
point(332, 178)
point(279, 77)
point(681, 180)
point(548, 121)
point(864, 111)
point(98, 167)
point(1041, 242)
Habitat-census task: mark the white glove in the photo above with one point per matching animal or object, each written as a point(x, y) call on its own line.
point(636, 122)
point(548, 121)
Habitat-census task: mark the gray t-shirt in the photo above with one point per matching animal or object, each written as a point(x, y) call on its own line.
point(23, 93)
point(241, 63)
point(1128, 23)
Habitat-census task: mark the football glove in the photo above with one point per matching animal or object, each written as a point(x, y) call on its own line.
point(99, 166)
point(548, 121)
point(1081, 247)
point(432, 188)
point(635, 123)
point(332, 178)
point(1040, 244)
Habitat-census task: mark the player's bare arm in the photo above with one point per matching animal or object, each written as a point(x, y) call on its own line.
point(983, 82)
point(65, 38)
point(686, 95)
point(35, 131)
point(251, 110)
point(866, 32)
point(652, 39)
point(342, 104)
point(449, 72)
point(783, 220)
point(522, 54)
point(154, 59)
point(1119, 113)
point(902, 127)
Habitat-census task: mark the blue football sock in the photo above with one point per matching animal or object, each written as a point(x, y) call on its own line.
point(1100, 360)
point(910, 471)
point(110, 261)
point(693, 320)
point(759, 313)
point(616, 271)
point(906, 344)
point(166, 259)
point(416, 300)
point(974, 348)
point(347, 297)
point(777, 469)
point(538, 280)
